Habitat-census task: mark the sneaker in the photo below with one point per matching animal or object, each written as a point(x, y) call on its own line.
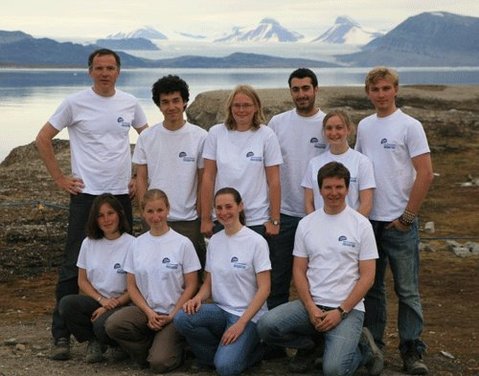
point(60, 349)
point(94, 352)
point(413, 363)
point(303, 361)
point(375, 364)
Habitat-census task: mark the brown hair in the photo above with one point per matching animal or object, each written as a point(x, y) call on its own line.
point(333, 170)
point(236, 197)
point(93, 230)
point(247, 90)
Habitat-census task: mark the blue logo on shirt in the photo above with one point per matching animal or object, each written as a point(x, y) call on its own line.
point(252, 158)
point(238, 265)
point(387, 145)
point(317, 144)
point(345, 242)
point(166, 260)
point(185, 157)
point(118, 268)
point(123, 122)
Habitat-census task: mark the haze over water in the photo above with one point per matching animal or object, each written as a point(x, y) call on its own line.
point(28, 97)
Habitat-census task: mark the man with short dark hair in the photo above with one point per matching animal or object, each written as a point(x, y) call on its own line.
point(397, 146)
point(98, 120)
point(334, 263)
point(168, 156)
point(300, 134)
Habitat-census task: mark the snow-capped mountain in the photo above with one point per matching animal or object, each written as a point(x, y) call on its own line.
point(147, 32)
point(267, 30)
point(347, 31)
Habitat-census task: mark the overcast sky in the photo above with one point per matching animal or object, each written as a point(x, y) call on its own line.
point(73, 19)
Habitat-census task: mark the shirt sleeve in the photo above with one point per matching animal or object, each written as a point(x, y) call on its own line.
point(210, 147)
point(307, 181)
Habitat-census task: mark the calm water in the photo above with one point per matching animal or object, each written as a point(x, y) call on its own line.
point(29, 97)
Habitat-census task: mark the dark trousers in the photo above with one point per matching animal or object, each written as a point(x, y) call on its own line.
point(281, 256)
point(68, 272)
point(76, 311)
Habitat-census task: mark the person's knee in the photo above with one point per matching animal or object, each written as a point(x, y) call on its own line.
point(66, 305)
point(161, 363)
point(117, 328)
point(226, 367)
point(267, 328)
point(182, 322)
point(334, 367)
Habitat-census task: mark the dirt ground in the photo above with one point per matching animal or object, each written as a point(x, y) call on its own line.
point(34, 217)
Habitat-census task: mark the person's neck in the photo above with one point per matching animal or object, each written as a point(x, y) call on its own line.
point(233, 228)
point(307, 113)
point(104, 93)
point(385, 113)
point(159, 231)
point(334, 210)
point(338, 149)
point(174, 125)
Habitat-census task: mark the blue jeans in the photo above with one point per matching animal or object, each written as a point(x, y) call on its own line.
point(288, 325)
point(68, 273)
point(203, 332)
point(281, 256)
point(401, 250)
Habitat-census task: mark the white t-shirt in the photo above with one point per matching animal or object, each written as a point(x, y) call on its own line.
point(334, 245)
point(301, 138)
point(173, 159)
point(100, 147)
point(359, 166)
point(159, 264)
point(241, 158)
point(390, 143)
point(234, 261)
point(104, 262)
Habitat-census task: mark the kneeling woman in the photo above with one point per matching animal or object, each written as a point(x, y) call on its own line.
point(223, 334)
point(162, 275)
point(100, 276)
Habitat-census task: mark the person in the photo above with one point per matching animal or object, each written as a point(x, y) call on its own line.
point(334, 263)
point(101, 277)
point(300, 136)
point(338, 127)
point(162, 275)
point(397, 146)
point(243, 153)
point(223, 334)
point(169, 149)
point(98, 120)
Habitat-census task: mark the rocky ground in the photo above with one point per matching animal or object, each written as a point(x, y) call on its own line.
point(34, 217)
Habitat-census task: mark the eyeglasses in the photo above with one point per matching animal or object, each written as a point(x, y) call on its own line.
point(242, 106)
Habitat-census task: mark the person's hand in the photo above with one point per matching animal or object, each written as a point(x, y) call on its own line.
point(70, 184)
point(207, 227)
point(328, 320)
point(396, 224)
point(110, 303)
point(154, 322)
point(315, 315)
point(192, 306)
point(132, 188)
point(270, 229)
point(232, 333)
point(97, 313)
point(164, 320)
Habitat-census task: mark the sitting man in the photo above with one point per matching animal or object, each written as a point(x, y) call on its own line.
point(334, 264)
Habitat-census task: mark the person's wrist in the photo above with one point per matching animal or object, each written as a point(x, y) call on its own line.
point(407, 218)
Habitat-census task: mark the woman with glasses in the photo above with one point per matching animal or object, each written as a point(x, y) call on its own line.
point(244, 154)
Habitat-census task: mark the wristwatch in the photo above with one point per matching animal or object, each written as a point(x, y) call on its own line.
point(343, 313)
point(275, 222)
